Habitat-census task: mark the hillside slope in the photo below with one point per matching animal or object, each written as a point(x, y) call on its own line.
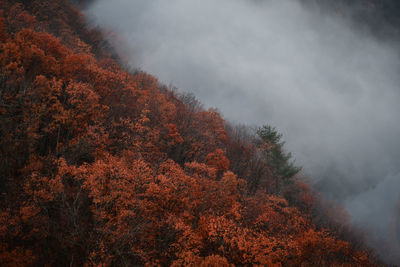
point(100, 166)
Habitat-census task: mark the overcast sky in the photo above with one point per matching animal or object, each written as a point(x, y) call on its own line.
point(332, 91)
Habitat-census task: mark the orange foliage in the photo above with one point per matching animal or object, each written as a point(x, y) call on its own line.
point(218, 160)
point(102, 167)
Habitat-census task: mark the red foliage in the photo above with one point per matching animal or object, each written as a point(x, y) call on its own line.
point(218, 160)
point(102, 167)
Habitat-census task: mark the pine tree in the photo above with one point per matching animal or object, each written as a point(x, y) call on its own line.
point(279, 162)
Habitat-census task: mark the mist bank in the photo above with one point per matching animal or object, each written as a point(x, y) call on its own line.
point(331, 90)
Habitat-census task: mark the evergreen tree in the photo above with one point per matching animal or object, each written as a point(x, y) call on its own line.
point(279, 162)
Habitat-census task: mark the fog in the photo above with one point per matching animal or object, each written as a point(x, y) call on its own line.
point(331, 90)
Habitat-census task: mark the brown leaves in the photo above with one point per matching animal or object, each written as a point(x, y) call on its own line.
point(102, 167)
point(218, 160)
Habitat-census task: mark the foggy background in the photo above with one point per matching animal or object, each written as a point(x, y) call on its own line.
point(332, 90)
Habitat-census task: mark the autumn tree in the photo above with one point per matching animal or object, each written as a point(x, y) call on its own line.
point(104, 166)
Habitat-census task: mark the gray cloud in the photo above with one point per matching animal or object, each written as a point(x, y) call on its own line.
point(332, 91)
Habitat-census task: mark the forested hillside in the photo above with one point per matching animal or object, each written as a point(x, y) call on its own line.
point(101, 166)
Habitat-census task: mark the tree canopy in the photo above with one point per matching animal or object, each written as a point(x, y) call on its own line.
point(104, 167)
